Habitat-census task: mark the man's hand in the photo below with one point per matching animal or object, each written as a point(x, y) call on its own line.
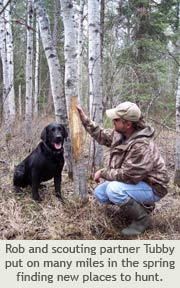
point(82, 115)
point(97, 176)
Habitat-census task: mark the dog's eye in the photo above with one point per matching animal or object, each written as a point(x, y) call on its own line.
point(58, 129)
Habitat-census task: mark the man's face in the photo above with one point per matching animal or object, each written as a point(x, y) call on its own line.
point(121, 126)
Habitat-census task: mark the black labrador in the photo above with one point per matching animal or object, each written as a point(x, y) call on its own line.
point(44, 163)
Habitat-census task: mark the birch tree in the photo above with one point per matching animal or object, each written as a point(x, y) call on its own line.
point(177, 159)
point(20, 100)
point(29, 71)
point(52, 60)
point(55, 34)
point(102, 16)
point(95, 76)
point(3, 55)
point(57, 13)
point(55, 76)
point(80, 51)
point(10, 60)
point(36, 77)
point(71, 84)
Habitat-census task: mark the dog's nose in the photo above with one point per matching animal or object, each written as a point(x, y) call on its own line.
point(58, 138)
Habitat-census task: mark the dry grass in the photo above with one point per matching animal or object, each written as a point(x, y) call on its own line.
point(23, 218)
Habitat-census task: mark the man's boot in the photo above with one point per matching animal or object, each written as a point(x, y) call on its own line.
point(140, 217)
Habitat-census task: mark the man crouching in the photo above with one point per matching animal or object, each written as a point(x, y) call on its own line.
point(136, 176)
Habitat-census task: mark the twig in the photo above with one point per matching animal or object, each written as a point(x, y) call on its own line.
point(4, 162)
point(5, 6)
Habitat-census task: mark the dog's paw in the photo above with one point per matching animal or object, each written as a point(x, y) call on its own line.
point(61, 199)
point(42, 186)
point(37, 198)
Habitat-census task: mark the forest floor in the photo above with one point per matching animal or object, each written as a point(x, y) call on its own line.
point(22, 218)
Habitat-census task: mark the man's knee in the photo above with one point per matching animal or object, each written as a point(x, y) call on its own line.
point(114, 187)
point(116, 193)
point(97, 194)
point(100, 195)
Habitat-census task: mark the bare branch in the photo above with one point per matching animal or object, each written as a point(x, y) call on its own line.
point(4, 8)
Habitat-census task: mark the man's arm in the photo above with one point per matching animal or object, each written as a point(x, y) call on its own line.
point(102, 136)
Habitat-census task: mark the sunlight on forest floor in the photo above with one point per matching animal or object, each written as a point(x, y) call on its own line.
point(23, 218)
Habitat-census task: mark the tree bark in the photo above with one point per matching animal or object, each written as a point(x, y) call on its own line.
point(55, 35)
point(177, 159)
point(29, 71)
point(36, 80)
point(95, 77)
point(3, 54)
point(80, 52)
point(53, 62)
point(10, 61)
point(20, 101)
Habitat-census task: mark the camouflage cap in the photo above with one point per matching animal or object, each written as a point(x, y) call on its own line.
point(126, 110)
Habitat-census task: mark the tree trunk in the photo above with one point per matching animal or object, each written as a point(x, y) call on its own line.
point(53, 62)
point(36, 82)
point(3, 54)
point(102, 15)
point(10, 61)
point(71, 84)
point(20, 101)
point(55, 36)
point(80, 50)
point(177, 159)
point(95, 77)
point(55, 77)
point(29, 71)
point(57, 13)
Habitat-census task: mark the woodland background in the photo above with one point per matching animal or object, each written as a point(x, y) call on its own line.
point(55, 54)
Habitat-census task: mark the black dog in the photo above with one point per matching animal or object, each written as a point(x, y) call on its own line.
point(44, 163)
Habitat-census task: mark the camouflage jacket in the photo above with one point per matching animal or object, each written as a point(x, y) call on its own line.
point(133, 160)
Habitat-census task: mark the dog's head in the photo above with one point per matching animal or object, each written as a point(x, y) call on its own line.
point(53, 135)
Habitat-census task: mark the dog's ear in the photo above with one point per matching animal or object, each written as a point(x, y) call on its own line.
point(65, 132)
point(44, 134)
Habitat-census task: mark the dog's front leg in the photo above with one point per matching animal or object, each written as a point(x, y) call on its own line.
point(57, 185)
point(35, 187)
